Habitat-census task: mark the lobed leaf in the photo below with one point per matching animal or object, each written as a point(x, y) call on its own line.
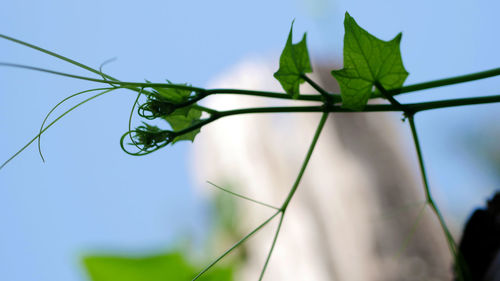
point(367, 60)
point(294, 62)
point(183, 118)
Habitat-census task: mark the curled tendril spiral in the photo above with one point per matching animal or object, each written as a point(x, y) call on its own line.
point(155, 107)
point(147, 139)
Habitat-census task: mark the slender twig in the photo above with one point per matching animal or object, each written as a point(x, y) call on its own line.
point(102, 73)
point(202, 92)
point(243, 196)
point(275, 238)
point(267, 94)
point(50, 125)
point(81, 65)
point(54, 108)
point(130, 118)
point(289, 197)
point(235, 245)
point(121, 83)
point(417, 107)
point(206, 109)
point(389, 96)
point(446, 81)
point(429, 200)
point(321, 124)
point(328, 98)
point(449, 238)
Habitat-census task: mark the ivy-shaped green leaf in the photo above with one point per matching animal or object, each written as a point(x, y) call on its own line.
point(183, 118)
point(367, 60)
point(294, 62)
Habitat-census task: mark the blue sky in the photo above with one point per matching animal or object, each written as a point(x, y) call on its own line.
point(91, 195)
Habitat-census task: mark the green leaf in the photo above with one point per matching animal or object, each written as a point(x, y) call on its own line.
point(183, 118)
point(155, 268)
point(168, 267)
point(171, 94)
point(367, 60)
point(294, 62)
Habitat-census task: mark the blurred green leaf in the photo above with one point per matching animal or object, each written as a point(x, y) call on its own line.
point(168, 267)
point(294, 62)
point(367, 60)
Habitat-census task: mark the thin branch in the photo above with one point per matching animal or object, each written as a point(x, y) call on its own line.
point(235, 245)
point(54, 108)
point(449, 238)
point(389, 97)
point(202, 92)
point(329, 98)
point(306, 161)
point(206, 109)
point(275, 238)
point(417, 107)
point(121, 83)
point(81, 65)
point(53, 122)
point(412, 108)
point(243, 197)
point(267, 94)
point(446, 81)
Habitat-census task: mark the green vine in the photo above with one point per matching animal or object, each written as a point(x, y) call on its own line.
point(372, 69)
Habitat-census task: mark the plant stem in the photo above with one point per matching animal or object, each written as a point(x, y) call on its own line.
point(203, 92)
point(429, 200)
point(235, 245)
point(269, 94)
point(121, 83)
point(275, 238)
point(417, 107)
point(54, 108)
point(389, 97)
point(289, 197)
point(306, 161)
point(244, 197)
point(428, 195)
point(411, 107)
point(446, 81)
point(81, 65)
point(52, 123)
point(328, 98)
point(206, 109)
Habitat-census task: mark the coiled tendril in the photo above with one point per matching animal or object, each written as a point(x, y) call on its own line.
point(156, 107)
point(147, 138)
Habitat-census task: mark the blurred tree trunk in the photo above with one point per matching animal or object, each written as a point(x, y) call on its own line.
point(355, 209)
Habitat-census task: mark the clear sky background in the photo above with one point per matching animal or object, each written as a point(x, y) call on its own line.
point(90, 195)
